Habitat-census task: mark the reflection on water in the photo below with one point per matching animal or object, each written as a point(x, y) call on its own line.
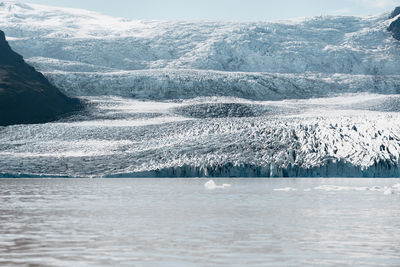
point(178, 222)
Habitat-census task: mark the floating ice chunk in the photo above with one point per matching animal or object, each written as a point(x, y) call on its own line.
point(396, 187)
point(386, 190)
point(360, 188)
point(286, 189)
point(211, 185)
point(377, 188)
point(389, 191)
point(307, 190)
point(327, 188)
point(341, 188)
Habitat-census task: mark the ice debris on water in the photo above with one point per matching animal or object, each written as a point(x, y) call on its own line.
point(286, 189)
point(340, 188)
point(395, 189)
point(211, 185)
point(396, 186)
point(387, 190)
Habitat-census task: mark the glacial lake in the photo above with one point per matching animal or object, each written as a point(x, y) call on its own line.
point(179, 222)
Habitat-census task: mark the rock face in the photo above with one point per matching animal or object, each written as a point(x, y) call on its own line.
point(395, 12)
point(26, 96)
point(395, 26)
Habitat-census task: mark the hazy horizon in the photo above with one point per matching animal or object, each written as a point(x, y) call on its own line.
point(233, 10)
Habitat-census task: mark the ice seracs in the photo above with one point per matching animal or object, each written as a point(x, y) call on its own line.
point(348, 136)
point(256, 99)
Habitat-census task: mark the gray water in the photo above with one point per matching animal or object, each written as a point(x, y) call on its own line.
point(178, 222)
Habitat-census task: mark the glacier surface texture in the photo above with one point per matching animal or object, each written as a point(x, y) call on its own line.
point(305, 97)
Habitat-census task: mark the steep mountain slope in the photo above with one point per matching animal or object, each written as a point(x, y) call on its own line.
point(25, 94)
point(82, 52)
point(395, 25)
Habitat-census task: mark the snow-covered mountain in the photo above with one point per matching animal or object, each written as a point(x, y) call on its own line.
point(86, 53)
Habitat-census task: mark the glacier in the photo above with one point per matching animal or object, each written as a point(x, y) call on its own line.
point(351, 136)
point(86, 53)
point(308, 97)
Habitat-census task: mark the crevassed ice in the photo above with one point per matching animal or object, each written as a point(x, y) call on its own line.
point(224, 81)
point(319, 56)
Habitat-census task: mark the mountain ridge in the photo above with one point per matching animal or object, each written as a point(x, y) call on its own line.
point(395, 25)
point(26, 96)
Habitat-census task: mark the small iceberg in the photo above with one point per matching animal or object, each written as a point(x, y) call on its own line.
point(286, 189)
point(211, 185)
point(376, 189)
point(389, 191)
point(395, 189)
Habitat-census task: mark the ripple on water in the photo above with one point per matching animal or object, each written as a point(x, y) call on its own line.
point(158, 222)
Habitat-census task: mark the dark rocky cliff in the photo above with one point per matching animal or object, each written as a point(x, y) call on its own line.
point(26, 96)
point(394, 27)
point(395, 12)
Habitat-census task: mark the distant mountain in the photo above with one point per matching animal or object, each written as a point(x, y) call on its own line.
point(26, 96)
point(87, 53)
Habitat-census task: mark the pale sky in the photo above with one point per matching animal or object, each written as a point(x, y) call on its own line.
point(236, 10)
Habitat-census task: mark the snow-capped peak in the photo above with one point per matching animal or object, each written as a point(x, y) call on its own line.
point(54, 22)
